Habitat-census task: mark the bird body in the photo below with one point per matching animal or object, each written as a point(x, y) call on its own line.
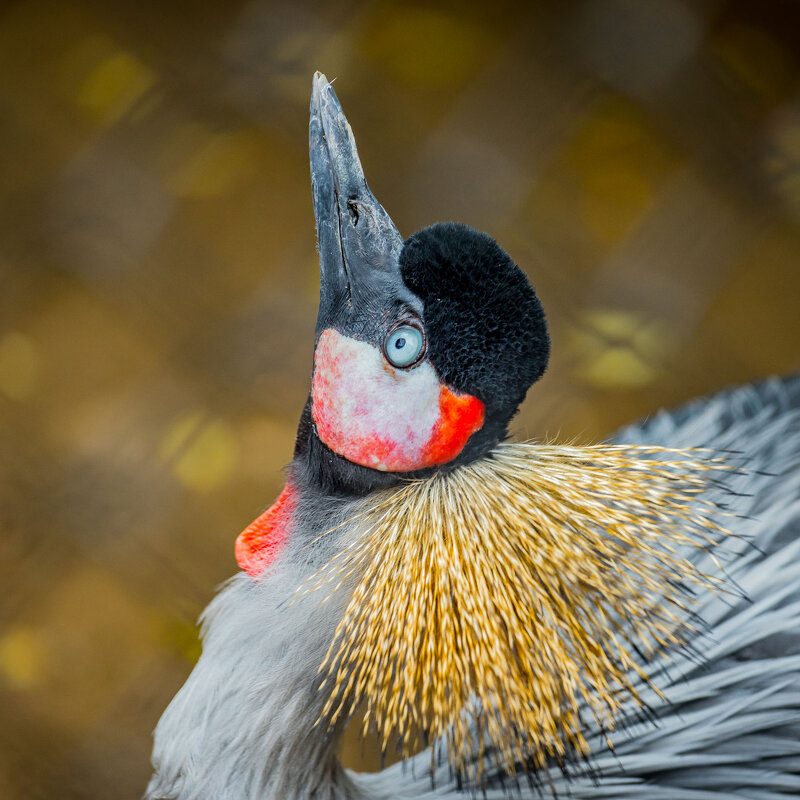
point(424, 350)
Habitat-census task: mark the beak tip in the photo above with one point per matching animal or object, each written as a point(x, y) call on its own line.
point(320, 87)
point(323, 98)
point(318, 82)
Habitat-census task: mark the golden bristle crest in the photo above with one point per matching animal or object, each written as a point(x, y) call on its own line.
point(503, 601)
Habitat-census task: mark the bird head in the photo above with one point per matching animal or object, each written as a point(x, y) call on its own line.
point(424, 348)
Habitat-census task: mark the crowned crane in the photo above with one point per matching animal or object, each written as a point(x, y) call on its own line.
point(556, 621)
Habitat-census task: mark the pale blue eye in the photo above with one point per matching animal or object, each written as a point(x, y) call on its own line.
point(403, 346)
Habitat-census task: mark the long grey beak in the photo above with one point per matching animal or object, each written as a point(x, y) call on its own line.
point(358, 243)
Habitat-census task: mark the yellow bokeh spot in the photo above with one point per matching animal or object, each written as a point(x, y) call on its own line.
point(614, 197)
point(200, 450)
point(424, 46)
point(20, 366)
point(216, 165)
point(614, 163)
point(617, 349)
point(22, 657)
point(618, 368)
point(113, 85)
point(612, 323)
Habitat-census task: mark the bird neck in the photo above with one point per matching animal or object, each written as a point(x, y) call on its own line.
point(321, 470)
point(249, 721)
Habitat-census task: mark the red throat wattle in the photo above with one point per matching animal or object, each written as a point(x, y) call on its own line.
point(261, 541)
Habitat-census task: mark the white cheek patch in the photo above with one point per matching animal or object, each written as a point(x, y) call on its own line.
point(368, 411)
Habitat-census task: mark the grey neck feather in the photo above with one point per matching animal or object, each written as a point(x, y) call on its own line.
point(246, 717)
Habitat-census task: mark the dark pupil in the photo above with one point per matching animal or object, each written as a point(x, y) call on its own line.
point(400, 343)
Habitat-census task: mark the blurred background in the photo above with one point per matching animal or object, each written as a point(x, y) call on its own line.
point(641, 160)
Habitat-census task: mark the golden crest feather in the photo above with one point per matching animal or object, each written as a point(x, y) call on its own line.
point(502, 601)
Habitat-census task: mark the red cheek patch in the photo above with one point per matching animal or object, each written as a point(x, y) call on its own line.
point(385, 418)
point(261, 541)
point(459, 417)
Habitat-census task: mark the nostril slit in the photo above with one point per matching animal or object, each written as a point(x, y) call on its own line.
point(352, 207)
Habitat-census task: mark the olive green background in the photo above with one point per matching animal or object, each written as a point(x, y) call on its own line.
point(158, 280)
